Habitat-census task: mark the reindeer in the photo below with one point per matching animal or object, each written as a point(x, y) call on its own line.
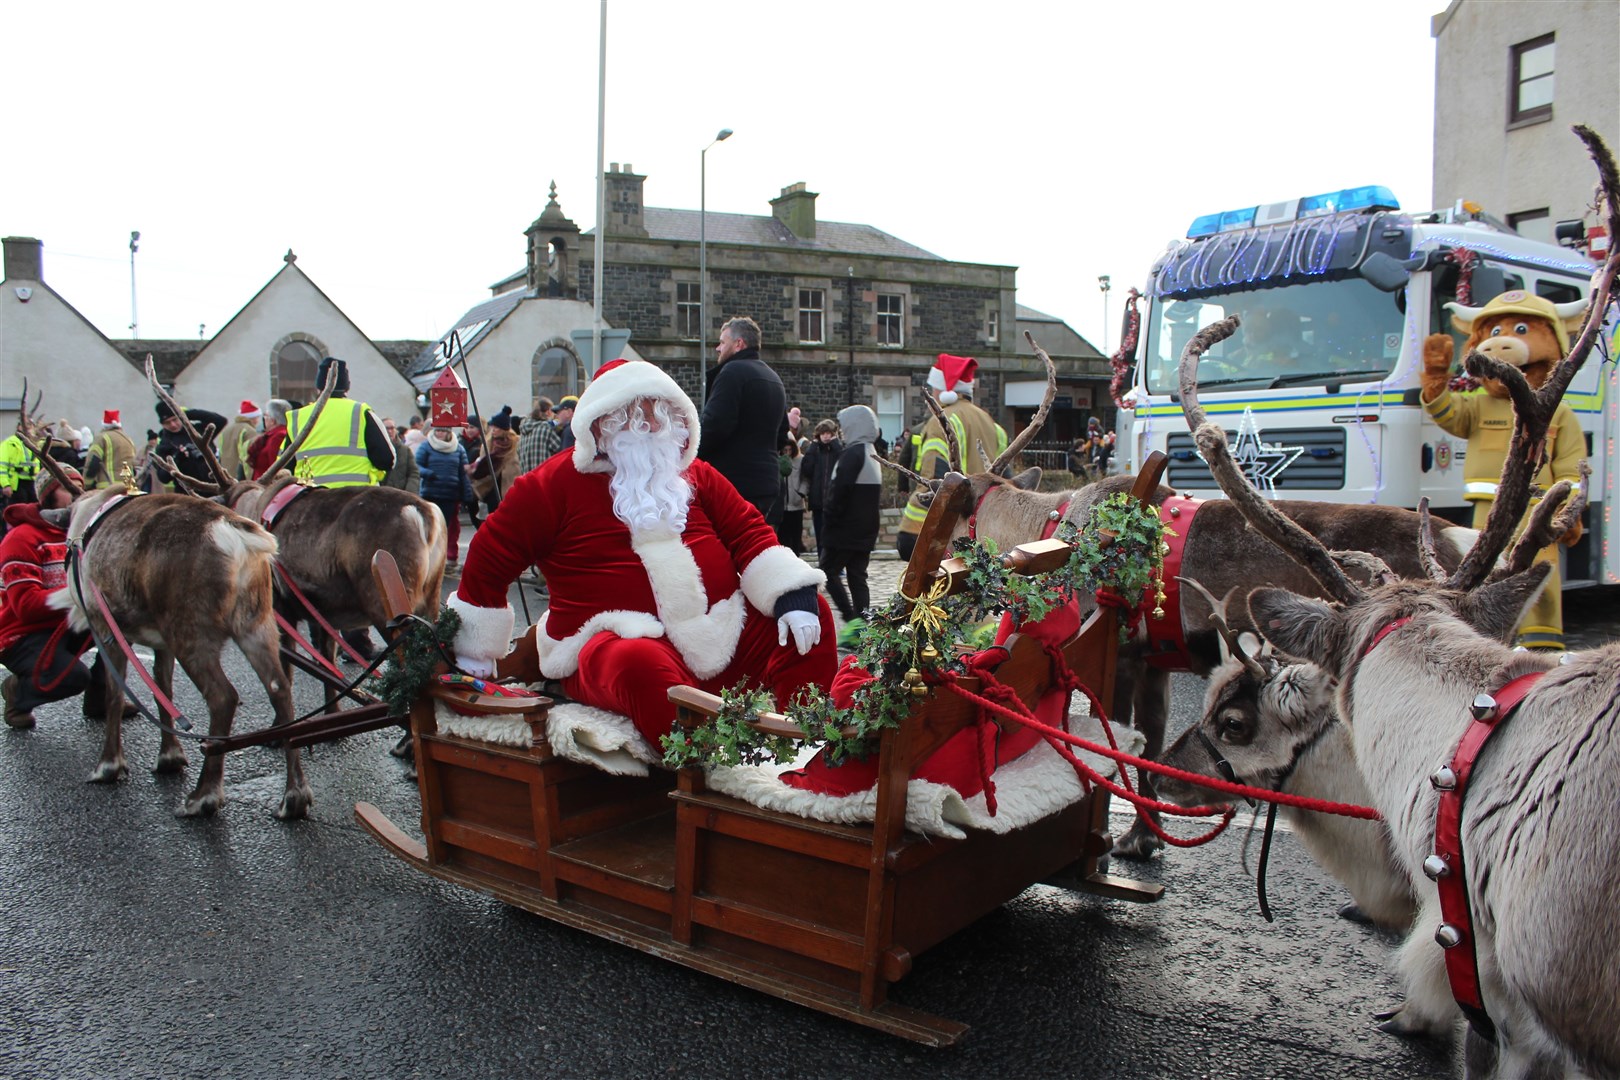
point(1217, 548)
point(1414, 663)
point(327, 536)
point(1271, 724)
point(184, 576)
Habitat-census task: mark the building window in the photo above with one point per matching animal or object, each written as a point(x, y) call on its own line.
point(812, 316)
point(1530, 89)
point(891, 319)
point(1533, 225)
point(992, 327)
point(688, 309)
point(295, 371)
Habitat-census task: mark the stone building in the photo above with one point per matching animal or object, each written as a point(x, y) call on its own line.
point(849, 313)
point(1510, 80)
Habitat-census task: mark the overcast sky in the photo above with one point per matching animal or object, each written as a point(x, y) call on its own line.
point(401, 149)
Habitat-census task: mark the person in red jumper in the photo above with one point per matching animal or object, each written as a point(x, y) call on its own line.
point(660, 573)
point(35, 642)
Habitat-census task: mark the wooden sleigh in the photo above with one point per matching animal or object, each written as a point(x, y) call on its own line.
point(825, 915)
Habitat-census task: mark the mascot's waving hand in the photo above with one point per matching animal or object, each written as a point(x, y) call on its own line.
point(1532, 334)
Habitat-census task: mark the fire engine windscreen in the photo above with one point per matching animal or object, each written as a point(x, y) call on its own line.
point(1312, 334)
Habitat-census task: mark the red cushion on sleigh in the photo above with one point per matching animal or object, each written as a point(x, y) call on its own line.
point(958, 764)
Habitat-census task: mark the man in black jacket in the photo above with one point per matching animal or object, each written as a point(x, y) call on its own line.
point(745, 418)
point(175, 443)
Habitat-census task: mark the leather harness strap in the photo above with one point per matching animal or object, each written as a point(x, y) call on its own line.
point(1455, 934)
point(280, 502)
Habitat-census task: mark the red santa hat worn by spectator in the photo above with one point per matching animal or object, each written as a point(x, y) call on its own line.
point(109, 418)
point(952, 376)
point(248, 411)
point(617, 384)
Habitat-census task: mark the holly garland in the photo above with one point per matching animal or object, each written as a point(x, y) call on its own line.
point(416, 662)
point(911, 640)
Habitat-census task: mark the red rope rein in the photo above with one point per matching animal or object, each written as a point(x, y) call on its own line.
point(1011, 707)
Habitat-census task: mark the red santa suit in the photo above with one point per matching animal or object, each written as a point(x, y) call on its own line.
point(634, 612)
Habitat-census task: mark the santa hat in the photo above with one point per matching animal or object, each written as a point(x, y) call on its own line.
point(248, 411)
point(952, 376)
point(617, 384)
point(109, 418)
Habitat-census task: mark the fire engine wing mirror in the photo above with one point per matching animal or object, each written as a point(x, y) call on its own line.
point(1385, 273)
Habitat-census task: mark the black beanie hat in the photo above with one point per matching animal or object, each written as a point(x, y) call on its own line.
point(342, 386)
point(502, 419)
point(163, 410)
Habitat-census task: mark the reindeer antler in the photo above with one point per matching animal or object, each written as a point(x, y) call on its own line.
point(1036, 422)
point(956, 463)
point(25, 420)
point(203, 443)
point(1426, 553)
point(1217, 616)
point(899, 468)
point(1554, 516)
point(1294, 541)
point(1533, 409)
point(291, 448)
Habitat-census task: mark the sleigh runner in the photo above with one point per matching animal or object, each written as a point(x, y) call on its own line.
point(823, 913)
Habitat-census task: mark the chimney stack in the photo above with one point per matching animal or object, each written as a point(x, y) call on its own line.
point(624, 206)
point(24, 259)
point(796, 208)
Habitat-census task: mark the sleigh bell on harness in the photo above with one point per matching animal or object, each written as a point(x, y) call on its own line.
point(1448, 936)
point(1444, 779)
point(1483, 707)
point(1436, 867)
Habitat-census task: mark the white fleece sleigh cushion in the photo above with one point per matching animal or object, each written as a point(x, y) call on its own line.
point(1031, 787)
point(581, 733)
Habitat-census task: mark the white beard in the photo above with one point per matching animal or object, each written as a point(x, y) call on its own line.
point(649, 490)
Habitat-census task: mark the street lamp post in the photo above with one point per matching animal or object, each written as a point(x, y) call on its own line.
point(134, 322)
point(703, 268)
point(1105, 282)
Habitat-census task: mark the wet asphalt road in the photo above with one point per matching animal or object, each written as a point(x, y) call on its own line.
point(137, 944)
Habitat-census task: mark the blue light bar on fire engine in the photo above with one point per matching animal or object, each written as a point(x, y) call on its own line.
point(1370, 197)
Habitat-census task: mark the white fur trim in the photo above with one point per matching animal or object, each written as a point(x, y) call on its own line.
point(583, 733)
point(559, 657)
point(486, 633)
point(705, 637)
point(617, 388)
point(774, 572)
point(596, 737)
point(948, 397)
point(1033, 786)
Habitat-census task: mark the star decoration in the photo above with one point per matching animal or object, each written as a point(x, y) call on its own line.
point(1261, 462)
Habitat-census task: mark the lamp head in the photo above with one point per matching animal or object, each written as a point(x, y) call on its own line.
point(725, 133)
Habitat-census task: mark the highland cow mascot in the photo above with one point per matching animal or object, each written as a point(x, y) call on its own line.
point(660, 573)
point(1532, 334)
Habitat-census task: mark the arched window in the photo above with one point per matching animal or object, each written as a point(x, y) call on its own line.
point(296, 361)
point(557, 371)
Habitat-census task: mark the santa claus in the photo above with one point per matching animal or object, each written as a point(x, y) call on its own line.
point(660, 573)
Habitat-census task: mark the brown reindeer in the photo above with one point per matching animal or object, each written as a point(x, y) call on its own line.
point(1415, 664)
point(184, 576)
point(326, 537)
point(1216, 548)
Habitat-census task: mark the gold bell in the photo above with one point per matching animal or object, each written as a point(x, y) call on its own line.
point(928, 654)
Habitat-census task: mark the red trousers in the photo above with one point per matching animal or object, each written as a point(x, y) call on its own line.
point(632, 676)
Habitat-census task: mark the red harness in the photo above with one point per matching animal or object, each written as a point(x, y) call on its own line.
point(1445, 868)
point(1167, 639)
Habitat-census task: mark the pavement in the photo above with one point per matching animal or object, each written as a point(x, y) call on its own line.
point(135, 944)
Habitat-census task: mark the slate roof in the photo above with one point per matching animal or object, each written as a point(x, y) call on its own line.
point(1061, 339)
point(767, 231)
point(491, 312)
point(169, 357)
point(402, 354)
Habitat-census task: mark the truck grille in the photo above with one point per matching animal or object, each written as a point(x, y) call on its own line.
point(1320, 467)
